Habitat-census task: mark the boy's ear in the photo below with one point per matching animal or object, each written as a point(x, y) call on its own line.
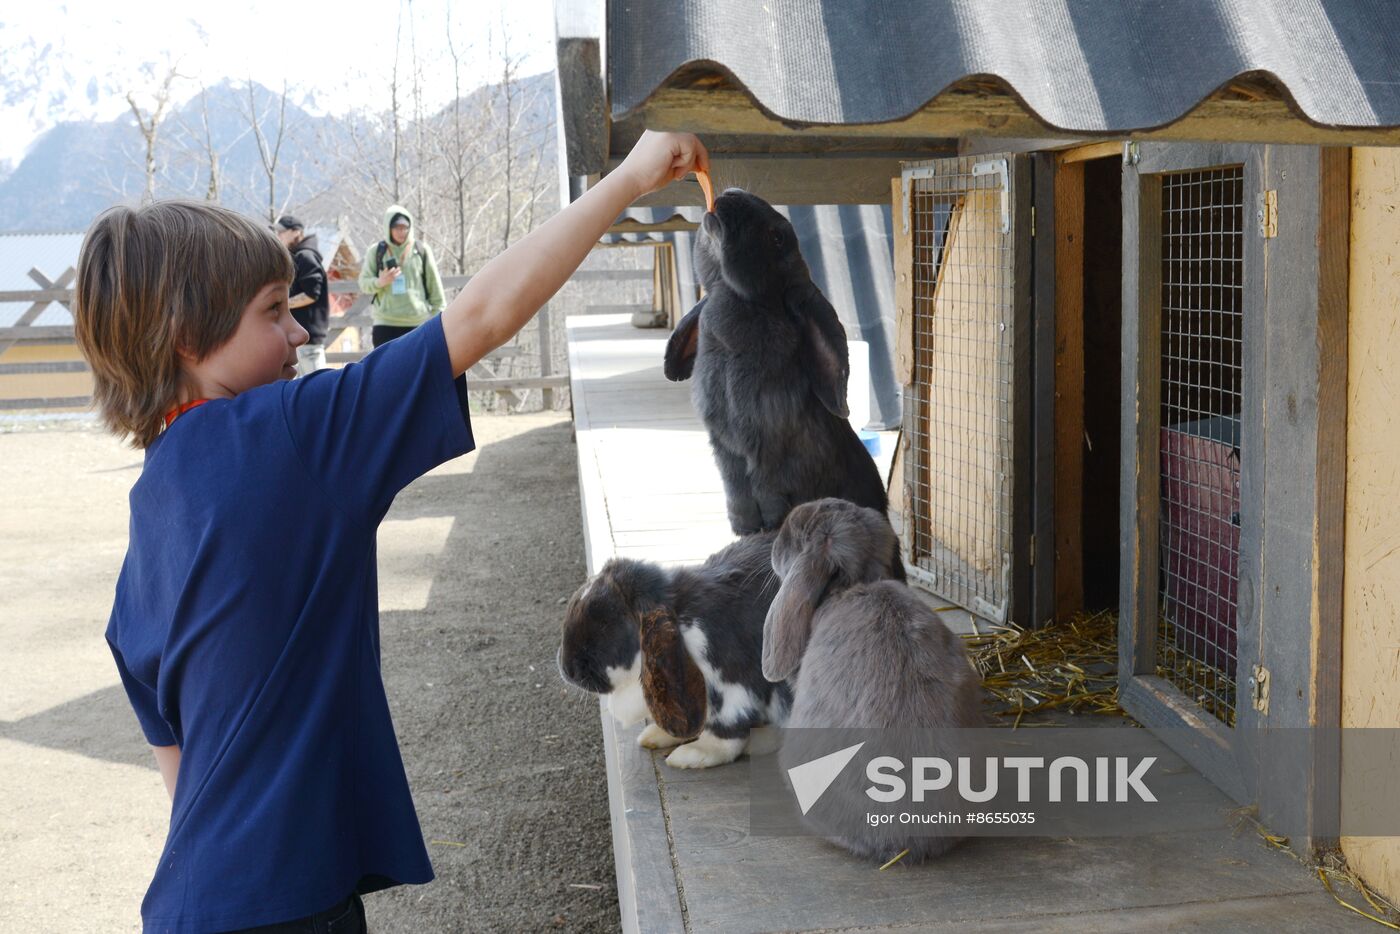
point(185, 355)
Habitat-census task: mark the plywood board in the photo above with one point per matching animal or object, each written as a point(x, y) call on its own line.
point(967, 431)
point(1371, 588)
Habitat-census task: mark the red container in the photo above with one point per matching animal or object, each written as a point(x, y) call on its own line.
point(1200, 538)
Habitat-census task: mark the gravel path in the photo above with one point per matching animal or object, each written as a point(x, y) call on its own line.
point(505, 762)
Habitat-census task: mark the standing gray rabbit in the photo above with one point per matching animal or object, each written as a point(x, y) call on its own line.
point(768, 361)
point(867, 653)
point(681, 647)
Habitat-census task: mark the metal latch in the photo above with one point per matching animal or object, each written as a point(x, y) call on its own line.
point(1259, 689)
point(1266, 210)
point(998, 168)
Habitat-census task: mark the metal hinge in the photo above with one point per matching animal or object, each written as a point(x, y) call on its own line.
point(1032, 220)
point(907, 177)
point(1259, 689)
point(1266, 210)
point(1032, 551)
point(904, 200)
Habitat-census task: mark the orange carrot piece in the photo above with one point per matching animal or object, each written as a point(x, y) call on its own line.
point(703, 178)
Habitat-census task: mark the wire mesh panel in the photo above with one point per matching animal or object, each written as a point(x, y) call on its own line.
point(959, 402)
point(1200, 446)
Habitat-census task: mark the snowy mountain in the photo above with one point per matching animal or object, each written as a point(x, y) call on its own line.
point(79, 167)
point(84, 165)
point(38, 90)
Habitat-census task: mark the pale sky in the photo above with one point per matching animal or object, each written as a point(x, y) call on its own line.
point(77, 58)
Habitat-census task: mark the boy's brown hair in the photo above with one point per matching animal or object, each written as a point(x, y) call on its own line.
point(170, 276)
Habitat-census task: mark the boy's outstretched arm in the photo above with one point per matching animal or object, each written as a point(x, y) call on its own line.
point(509, 290)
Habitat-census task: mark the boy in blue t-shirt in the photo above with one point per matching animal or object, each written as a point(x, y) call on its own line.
point(245, 624)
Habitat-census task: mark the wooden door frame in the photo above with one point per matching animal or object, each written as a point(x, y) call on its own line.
point(1046, 408)
point(1058, 412)
point(1025, 480)
point(1292, 483)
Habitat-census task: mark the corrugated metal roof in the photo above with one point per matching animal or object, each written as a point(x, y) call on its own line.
point(849, 248)
point(1089, 66)
point(49, 253)
point(329, 239)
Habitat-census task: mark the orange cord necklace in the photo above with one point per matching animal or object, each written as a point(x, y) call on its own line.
point(181, 410)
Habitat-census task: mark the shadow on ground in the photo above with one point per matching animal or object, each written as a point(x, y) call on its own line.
point(506, 762)
point(99, 725)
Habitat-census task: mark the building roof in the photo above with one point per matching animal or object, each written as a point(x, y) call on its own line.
point(334, 239)
point(50, 254)
point(1080, 66)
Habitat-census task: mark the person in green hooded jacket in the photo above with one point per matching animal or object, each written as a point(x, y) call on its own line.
point(403, 277)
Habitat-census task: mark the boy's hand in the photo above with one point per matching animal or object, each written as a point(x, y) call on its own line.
point(661, 158)
point(507, 291)
point(388, 275)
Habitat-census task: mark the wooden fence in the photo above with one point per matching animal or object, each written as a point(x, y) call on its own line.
point(482, 377)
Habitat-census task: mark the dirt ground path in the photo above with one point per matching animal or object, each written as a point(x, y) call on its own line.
point(505, 763)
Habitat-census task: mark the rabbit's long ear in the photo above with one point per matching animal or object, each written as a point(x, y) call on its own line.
point(825, 353)
point(672, 683)
point(684, 341)
point(788, 625)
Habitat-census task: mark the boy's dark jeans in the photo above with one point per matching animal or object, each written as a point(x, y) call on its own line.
point(383, 333)
point(347, 917)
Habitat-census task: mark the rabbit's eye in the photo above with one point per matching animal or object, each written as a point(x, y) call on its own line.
point(777, 237)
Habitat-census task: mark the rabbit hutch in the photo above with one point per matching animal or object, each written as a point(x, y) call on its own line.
point(1142, 376)
point(1125, 383)
point(1147, 298)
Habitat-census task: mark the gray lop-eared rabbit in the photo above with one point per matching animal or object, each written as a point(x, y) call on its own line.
point(866, 654)
point(768, 364)
point(681, 647)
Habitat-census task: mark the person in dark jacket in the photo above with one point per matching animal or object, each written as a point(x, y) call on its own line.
point(310, 297)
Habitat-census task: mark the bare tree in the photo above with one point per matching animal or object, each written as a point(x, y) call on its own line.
point(536, 163)
point(508, 136)
point(394, 102)
point(516, 102)
point(199, 143)
point(212, 192)
point(476, 171)
point(459, 158)
point(456, 155)
point(367, 162)
point(269, 143)
point(420, 156)
point(149, 122)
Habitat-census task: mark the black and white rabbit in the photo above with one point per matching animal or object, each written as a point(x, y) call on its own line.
point(768, 362)
point(681, 647)
point(867, 653)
